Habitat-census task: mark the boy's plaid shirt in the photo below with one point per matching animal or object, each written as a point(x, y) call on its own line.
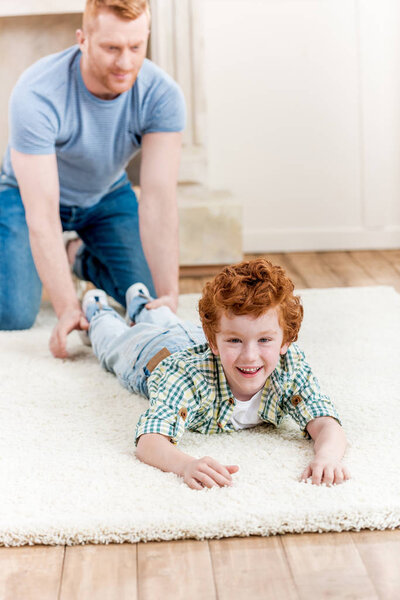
point(188, 390)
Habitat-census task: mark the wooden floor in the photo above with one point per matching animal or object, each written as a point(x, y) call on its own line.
point(360, 565)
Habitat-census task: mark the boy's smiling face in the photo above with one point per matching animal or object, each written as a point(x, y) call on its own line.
point(249, 348)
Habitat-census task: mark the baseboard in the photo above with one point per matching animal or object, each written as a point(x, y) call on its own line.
point(302, 240)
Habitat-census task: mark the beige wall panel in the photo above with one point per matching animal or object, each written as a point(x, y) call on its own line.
point(23, 40)
point(11, 8)
point(380, 110)
point(283, 114)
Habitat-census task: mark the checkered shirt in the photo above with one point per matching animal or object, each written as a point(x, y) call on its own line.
point(189, 390)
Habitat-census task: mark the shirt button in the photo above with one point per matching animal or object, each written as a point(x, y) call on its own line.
point(219, 425)
point(183, 413)
point(296, 400)
point(231, 401)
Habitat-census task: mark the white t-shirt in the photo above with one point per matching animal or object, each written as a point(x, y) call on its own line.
point(245, 412)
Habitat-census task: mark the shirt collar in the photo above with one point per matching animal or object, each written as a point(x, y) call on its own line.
point(225, 391)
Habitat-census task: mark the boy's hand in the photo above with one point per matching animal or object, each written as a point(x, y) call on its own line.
point(329, 446)
point(156, 449)
point(325, 470)
point(207, 472)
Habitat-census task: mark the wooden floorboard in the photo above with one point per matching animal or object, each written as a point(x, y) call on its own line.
point(327, 565)
point(31, 573)
point(380, 553)
point(254, 567)
point(314, 566)
point(393, 257)
point(377, 265)
point(192, 285)
point(347, 270)
point(178, 570)
point(100, 572)
point(315, 272)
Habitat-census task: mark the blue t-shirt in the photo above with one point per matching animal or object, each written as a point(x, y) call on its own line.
point(52, 111)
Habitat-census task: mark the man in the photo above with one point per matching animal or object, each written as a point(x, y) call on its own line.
point(76, 119)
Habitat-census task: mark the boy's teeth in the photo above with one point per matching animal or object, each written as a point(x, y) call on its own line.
point(253, 370)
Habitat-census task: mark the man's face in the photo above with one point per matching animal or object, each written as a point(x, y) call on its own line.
point(249, 348)
point(113, 51)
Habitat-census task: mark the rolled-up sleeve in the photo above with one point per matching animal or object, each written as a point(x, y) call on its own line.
point(172, 401)
point(305, 403)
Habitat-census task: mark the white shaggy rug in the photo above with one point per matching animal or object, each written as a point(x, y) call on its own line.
point(69, 474)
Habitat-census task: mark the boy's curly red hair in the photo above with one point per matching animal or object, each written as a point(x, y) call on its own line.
point(251, 288)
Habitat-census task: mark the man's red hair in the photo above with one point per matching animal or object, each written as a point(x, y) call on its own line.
point(251, 288)
point(125, 9)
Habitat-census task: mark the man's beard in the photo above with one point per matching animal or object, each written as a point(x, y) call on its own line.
point(117, 87)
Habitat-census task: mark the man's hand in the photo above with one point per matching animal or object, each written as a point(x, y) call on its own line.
point(325, 470)
point(171, 301)
point(207, 472)
point(68, 321)
point(38, 181)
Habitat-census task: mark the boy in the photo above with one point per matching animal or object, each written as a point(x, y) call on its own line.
point(240, 370)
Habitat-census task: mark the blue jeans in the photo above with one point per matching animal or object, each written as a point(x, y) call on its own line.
point(126, 351)
point(111, 257)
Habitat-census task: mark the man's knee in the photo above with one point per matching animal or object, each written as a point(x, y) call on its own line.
point(20, 287)
point(16, 317)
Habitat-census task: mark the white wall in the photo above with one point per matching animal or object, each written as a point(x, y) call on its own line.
point(303, 101)
point(302, 111)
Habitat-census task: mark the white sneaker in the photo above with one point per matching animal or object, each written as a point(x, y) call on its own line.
point(69, 236)
point(91, 297)
point(98, 297)
point(136, 289)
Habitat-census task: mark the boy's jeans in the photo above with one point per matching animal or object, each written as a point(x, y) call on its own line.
point(111, 258)
point(126, 351)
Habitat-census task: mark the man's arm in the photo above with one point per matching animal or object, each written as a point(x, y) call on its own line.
point(156, 450)
point(329, 447)
point(158, 213)
point(37, 177)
